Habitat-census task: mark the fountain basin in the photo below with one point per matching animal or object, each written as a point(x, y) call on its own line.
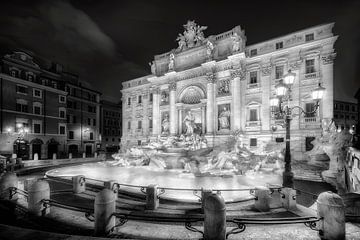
point(180, 185)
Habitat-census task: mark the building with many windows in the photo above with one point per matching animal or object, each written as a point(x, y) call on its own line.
point(83, 117)
point(345, 114)
point(32, 108)
point(111, 126)
point(217, 85)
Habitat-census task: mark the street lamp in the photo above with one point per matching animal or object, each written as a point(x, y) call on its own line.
point(22, 131)
point(281, 109)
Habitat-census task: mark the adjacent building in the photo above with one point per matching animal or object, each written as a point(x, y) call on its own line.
point(45, 110)
point(111, 126)
point(83, 117)
point(32, 108)
point(223, 85)
point(345, 114)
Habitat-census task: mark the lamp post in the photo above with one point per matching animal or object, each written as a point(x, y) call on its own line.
point(281, 109)
point(22, 131)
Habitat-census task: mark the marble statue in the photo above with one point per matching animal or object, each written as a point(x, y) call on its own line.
point(171, 62)
point(152, 67)
point(189, 121)
point(237, 42)
point(181, 42)
point(165, 124)
point(224, 119)
point(209, 50)
point(192, 36)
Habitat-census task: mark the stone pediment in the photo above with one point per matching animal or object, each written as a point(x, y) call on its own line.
point(22, 57)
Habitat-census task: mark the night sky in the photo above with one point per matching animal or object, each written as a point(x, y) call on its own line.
point(107, 42)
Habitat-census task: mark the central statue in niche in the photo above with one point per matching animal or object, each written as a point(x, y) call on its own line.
point(189, 121)
point(224, 117)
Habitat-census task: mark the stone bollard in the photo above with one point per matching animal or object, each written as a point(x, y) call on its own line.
point(288, 198)
point(79, 184)
point(14, 155)
point(8, 180)
point(28, 182)
point(70, 155)
point(113, 186)
point(105, 204)
point(36, 156)
point(204, 194)
point(84, 155)
point(331, 208)
point(38, 191)
point(262, 199)
point(2, 165)
point(54, 156)
point(95, 155)
point(214, 217)
point(152, 199)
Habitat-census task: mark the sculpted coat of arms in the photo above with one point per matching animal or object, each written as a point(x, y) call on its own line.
point(192, 36)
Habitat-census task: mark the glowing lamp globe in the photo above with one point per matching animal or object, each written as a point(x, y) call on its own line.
point(289, 78)
point(281, 89)
point(274, 102)
point(318, 93)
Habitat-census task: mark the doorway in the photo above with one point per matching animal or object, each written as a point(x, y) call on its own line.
point(88, 150)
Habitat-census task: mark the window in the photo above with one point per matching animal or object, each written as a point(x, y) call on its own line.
point(129, 125)
point(94, 122)
point(139, 142)
point(74, 119)
point(91, 109)
point(139, 99)
point(21, 89)
point(341, 107)
point(253, 115)
point(13, 73)
point(335, 106)
point(309, 66)
point(309, 110)
point(253, 142)
point(37, 124)
point(62, 99)
point(37, 93)
point(353, 108)
point(129, 101)
point(151, 97)
point(279, 72)
point(113, 139)
point(37, 108)
point(91, 136)
point(279, 45)
point(21, 105)
point(335, 116)
point(89, 121)
point(71, 134)
point(62, 129)
point(309, 37)
point(21, 124)
point(346, 116)
point(29, 77)
point(253, 52)
point(139, 124)
point(253, 77)
point(347, 108)
point(62, 112)
point(150, 123)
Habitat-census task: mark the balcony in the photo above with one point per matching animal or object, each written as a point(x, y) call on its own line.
point(311, 75)
point(310, 122)
point(253, 125)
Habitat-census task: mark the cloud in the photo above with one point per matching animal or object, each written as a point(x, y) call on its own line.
point(58, 31)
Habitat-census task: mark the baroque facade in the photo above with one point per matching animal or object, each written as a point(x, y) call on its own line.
point(221, 85)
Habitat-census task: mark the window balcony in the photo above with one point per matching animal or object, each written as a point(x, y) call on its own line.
point(253, 124)
point(253, 85)
point(311, 75)
point(310, 122)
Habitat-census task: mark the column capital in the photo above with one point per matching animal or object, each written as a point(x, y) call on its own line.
point(328, 58)
point(172, 86)
point(266, 69)
point(155, 90)
point(238, 73)
point(210, 77)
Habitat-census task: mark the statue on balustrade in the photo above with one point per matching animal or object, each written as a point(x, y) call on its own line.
point(189, 121)
point(209, 50)
point(237, 42)
point(152, 67)
point(171, 62)
point(224, 119)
